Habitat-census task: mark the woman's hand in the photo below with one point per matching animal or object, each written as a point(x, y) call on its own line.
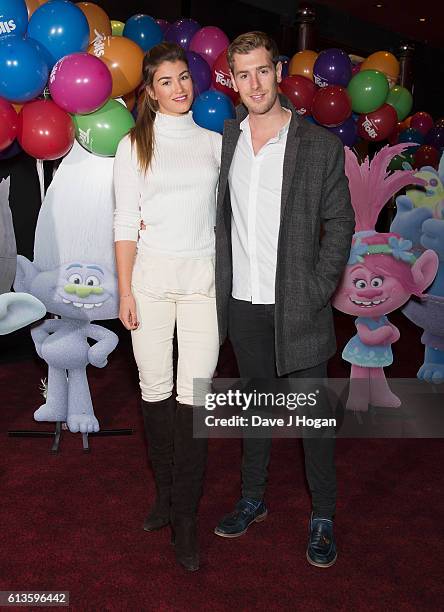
point(128, 312)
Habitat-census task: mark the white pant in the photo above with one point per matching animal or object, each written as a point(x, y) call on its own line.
point(197, 336)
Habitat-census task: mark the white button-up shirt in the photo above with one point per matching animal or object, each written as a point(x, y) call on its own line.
point(255, 183)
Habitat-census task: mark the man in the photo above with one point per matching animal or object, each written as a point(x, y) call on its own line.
point(282, 184)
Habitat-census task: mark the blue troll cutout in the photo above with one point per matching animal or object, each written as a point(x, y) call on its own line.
point(73, 274)
point(420, 218)
point(16, 309)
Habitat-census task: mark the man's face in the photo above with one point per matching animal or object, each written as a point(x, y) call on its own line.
point(256, 79)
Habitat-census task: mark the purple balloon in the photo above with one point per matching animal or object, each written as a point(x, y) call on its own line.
point(182, 31)
point(164, 24)
point(347, 132)
point(285, 64)
point(13, 149)
point(332, 67)
point(209, 42)
point(80, 83)
point(200, 72)
point(435, 137)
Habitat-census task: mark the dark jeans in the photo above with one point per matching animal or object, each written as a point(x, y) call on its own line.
point(251, 331)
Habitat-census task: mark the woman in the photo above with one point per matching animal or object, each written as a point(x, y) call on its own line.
point(166, 172)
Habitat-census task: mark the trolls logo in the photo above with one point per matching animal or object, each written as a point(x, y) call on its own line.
point(301, 111)
point(99, 44)
point(224, 79)
point(6, 27)
point(320, 82)
point(370, 127)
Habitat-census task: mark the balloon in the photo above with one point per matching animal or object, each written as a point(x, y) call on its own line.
point(435, 137)
point(33, 5)
point(98, 20)
point(124, 60)
point(331, 105)
point(368, 90)
point(405, 123)
point(426, 155)
point(13, 18)
point(144, 31)
point(182, 31)
point(332, 67)
point(347, 132)
point(211, 109)
point(221, 79)
point(23, 71)
point(163, 24)
point(400, 161)
point(130, 100)
point(61, 28)
point(285, 61)
point(45, 131)
point(302, 63)
point(209, 42)
point(101, 132)
point(410, 135)
point(11, 151)
point(117, 27)
point(393, 137)
point(356, 68)
point(300, 91)
point(422, 122)
point(200, 72)
point(377, 125)
point(386, 63)
point(401, 100)
point(80, 83)
point(8, 124)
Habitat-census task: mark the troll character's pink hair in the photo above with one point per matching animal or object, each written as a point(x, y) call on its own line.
point(371, 186)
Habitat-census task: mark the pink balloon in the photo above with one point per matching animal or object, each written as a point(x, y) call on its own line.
point(209, 42)
point(80, 83)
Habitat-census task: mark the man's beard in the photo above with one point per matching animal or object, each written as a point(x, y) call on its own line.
point(266, 108)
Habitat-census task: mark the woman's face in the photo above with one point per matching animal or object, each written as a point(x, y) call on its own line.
point(172, 88)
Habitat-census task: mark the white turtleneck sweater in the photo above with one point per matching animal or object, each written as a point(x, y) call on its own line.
point(177, 197)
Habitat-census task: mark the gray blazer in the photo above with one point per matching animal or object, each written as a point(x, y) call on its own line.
point(315, 194)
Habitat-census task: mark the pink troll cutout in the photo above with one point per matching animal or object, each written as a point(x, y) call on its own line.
point(381, 275)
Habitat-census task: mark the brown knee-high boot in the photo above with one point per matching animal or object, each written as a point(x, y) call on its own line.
point(190, 458)
point(158, 419)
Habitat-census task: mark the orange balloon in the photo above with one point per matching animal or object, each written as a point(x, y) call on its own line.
point(302, 63)
point(98, 20)
point(385, 62)
point(33, 5)
point(403, 125)
point(124, 59)
point(130, 100)
point(17, 107)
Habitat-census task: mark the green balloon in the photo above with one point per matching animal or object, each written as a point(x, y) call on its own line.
point(398, 161)
point(101, 132)
point(117, 27)
point(401, 100)
point(368, 90)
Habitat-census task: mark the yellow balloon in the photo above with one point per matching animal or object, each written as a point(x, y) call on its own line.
point(117, 27)
point(385, 62)
point(302, 63)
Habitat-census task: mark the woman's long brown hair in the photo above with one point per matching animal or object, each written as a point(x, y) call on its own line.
point(143, 132)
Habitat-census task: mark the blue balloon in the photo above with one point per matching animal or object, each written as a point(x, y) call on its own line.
point(23, 70)
point(411, 135)
point(13, 18)
point(211, 109)
point(285, 64)
point(61, 28)
point(347, 132)
point(144, 31)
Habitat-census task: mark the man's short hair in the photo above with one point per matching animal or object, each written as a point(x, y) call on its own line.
point(245, 43)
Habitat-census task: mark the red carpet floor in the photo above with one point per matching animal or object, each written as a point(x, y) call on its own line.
point(72, 521)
